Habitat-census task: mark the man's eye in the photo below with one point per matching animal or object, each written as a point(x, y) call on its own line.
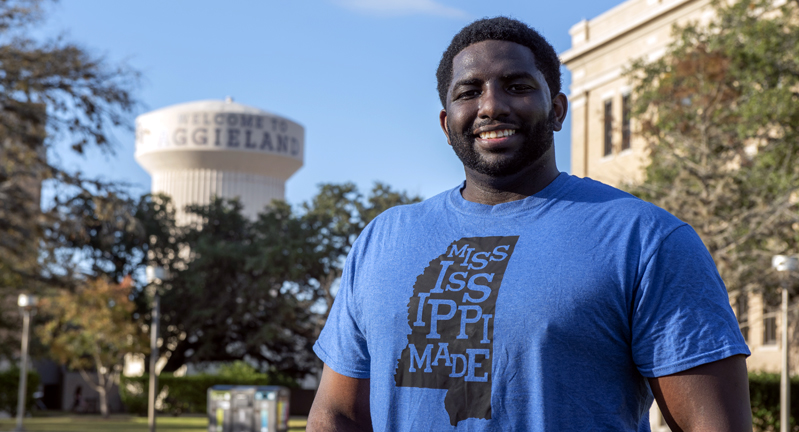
point(519, 87)
point(467, 94)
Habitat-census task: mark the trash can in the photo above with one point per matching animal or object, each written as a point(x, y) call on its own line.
point(219, 408)
point(272, 409)
point(248, 408)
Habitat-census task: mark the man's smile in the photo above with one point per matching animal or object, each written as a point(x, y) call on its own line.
point(496, 134)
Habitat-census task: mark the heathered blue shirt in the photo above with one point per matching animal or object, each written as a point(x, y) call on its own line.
point(543, 314)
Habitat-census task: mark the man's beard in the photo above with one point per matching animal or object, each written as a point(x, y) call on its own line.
point(538, 140)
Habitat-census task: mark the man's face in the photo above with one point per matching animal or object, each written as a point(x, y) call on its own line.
point(499, 117)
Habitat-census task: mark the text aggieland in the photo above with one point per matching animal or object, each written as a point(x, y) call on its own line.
point(451, 315)
point(208, 130)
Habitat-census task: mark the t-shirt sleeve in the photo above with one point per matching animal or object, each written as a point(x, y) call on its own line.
point(681, 313)
point(342, 344)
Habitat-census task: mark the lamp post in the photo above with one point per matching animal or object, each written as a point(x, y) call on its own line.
point(784, 263)
point(26, 304)
point(155, 275)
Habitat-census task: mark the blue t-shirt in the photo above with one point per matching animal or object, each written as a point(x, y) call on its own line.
point(543, 314)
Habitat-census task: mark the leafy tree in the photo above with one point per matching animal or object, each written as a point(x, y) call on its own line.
point(54, 96)
point(217, 307)
point(120, 238)
point(720, 115)
point(336, 216)
point(91, 330)
point(261, 289)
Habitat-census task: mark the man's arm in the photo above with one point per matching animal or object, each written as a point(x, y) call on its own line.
point(341, 404)
point(710, 397)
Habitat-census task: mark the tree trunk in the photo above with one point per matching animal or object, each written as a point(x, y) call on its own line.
point(103, 401)
point(99, 387)
point(101, 391)
point(102, 382)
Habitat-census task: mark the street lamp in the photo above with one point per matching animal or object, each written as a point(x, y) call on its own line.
point(784, 263)
point(26, 304)
point(155, 275)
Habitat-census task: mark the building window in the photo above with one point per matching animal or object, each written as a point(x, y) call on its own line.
point(626, 110)
point(742, 312)
point(608, 127)
point(770, 329)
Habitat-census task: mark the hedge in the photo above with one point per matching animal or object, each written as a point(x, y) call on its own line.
point(9, 390)
point(764, 394)
point(186, 394)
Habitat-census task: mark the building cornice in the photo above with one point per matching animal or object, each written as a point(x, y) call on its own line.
point(576, 52)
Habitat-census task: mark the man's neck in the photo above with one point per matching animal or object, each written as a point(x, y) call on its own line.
point(484, 189)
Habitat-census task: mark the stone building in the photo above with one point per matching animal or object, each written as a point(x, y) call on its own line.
point(604, 145)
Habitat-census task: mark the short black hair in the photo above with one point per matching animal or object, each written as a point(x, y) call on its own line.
point(503, 29)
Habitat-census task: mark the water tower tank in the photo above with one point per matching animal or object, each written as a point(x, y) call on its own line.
point(198, 150)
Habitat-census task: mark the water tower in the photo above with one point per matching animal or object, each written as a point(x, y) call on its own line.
point(198, 150)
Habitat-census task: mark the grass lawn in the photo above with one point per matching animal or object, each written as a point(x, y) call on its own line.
point(120, 423)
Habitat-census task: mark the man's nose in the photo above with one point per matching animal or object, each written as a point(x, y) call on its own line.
point(493, 103)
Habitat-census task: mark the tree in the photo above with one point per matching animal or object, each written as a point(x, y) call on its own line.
point(218, 306)
point(720, 115)
point(337, 215)
point(54, 95)
point(261, 289)
point(91, 330)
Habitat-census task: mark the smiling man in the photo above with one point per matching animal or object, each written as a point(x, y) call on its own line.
point(525, 298)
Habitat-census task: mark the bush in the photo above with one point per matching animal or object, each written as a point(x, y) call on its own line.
point(764, 394)
point(188, 394)
point(9, 390)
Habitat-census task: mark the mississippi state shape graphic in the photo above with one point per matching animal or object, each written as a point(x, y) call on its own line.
point(451, 316)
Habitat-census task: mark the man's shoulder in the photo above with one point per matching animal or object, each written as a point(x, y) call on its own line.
point(595, 192)
point(409, 212)
point(403, 220)
point(604, 202)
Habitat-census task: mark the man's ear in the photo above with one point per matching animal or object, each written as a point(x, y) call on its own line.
point(560, 104)
point(442, 118)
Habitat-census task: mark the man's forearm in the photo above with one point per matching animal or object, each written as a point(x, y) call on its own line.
point(328, 421)
point(341, 404)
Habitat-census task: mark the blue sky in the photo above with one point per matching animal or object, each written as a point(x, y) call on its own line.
point(358, 74)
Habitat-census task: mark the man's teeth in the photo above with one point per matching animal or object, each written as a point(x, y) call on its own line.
point(497, 133)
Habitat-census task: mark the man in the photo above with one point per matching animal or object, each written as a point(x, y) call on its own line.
point(526, 299)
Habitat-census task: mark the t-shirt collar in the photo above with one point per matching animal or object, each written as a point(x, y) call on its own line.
point(456, 200)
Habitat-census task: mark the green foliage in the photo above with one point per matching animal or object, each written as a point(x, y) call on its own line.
point(261, 289)
point(91, 330)
point(56, 97)
point(720, 115)
point(228, 301)
point(9, 390)
point(764, 393)
point(239, 370)
point(52, 93)
point(334, 218)
point(188, 394)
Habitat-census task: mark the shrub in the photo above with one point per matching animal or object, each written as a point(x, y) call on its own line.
point(188, 394)
point(764, 394)
point(9, 390)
